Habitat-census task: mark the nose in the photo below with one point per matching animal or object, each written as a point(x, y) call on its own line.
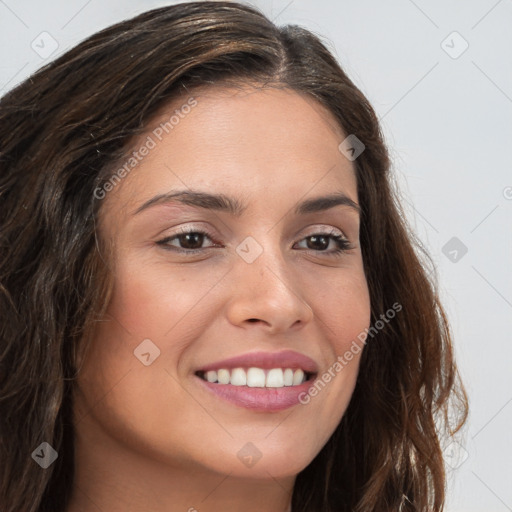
point(266, 294)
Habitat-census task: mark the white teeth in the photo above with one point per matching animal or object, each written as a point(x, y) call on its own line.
point(256, 377)
point(288, 377)
point(298, 377)
point(275, 378)
point(211, 376)
point(238, 377)
point(223, 376)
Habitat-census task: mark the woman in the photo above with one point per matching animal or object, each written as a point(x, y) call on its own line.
point(210, 298)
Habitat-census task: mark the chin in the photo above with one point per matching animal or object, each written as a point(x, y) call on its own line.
point(262, 463)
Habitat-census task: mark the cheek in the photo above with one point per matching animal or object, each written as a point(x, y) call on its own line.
point(155, 300)
point(133, 402)
point(342, 307)
point(343, 313)
point(154, 310)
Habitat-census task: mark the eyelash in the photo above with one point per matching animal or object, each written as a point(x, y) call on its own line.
point(343, 244)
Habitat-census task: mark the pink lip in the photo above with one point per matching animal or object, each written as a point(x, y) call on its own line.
point(259, 399)
point(266, 361)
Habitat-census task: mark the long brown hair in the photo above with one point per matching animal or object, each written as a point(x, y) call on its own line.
point(62, 129)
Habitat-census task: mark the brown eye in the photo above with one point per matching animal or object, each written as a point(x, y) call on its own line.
point(186, 241)
point(191, 240)
point(320, 242)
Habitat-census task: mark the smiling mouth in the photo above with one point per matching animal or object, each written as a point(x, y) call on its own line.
point(254, 377)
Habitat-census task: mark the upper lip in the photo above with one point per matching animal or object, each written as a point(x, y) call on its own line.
point(266, 360)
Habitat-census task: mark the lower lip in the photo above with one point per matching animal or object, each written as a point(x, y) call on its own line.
point(259, 399)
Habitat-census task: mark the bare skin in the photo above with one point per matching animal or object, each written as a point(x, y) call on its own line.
point(150, 438)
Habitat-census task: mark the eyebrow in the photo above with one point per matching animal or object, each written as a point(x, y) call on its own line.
point(231, 205)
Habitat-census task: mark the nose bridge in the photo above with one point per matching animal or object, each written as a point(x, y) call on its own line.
point(265, 287)
point(261, 259)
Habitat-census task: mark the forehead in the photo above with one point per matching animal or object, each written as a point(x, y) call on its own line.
point(245, 142)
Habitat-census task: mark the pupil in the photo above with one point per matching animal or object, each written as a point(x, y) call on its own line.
point(191, 239)
point(314, 239)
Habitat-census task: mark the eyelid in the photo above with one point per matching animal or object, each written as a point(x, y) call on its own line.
point(324, 228)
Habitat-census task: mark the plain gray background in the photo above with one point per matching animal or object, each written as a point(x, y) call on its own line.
point(446, 112)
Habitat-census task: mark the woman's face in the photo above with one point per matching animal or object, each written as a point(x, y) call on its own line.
point(261, 282)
